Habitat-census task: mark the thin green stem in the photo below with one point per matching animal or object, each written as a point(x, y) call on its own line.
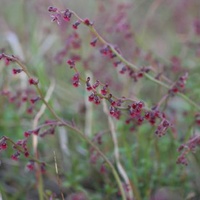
point(40, 186)
point(20, 149)
point(74, 129)
point(131, 65)
point(186, 98)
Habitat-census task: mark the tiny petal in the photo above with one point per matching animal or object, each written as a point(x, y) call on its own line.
point(87, 22)
point(93, 42)
point(17, 71)
point(33, 81)
point(52, 9)
point(76, 24)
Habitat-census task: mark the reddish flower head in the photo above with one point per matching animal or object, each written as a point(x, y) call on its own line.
point(33, 81)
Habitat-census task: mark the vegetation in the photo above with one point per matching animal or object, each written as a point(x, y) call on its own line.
point(100, 100)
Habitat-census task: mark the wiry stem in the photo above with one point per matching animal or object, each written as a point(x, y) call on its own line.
point(35, 140)
point(72, 127)
point(116, 152)
point(131, 65)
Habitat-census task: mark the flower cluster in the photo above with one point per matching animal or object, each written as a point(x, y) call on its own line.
point(19, 98)
point(137, 111)
point(94, 98)
point(133, 111)
point(31, 166)
point(48, 128)
point(73, 42)
point(7, 60)
point(189, 146)
point(3, 143)
point(179, 85)
point(30, 132)
point(76, 80)
point(20, 147)
point(107, 50)
point(58, 16)
point(138, 114)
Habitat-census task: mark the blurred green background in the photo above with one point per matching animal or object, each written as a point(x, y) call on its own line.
point(160, 31)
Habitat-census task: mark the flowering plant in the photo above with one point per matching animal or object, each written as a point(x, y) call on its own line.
point(120, 100)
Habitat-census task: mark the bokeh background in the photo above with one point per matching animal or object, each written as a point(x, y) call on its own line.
point(164, 34)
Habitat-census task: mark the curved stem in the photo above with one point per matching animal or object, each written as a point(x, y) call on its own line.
point(116, 152)
point(131, 65)
point(74, 129)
